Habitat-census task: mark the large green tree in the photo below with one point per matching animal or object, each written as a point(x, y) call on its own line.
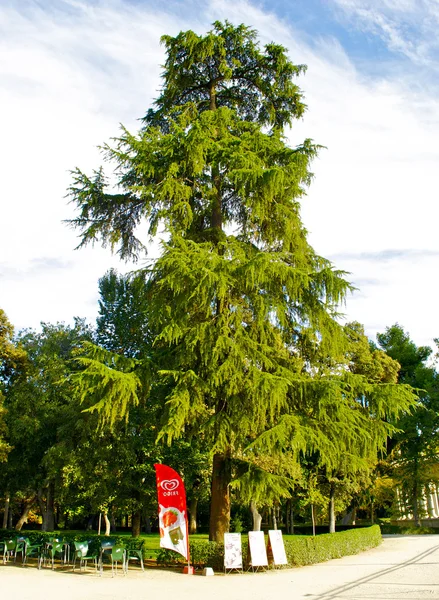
point(11, 356)
point(39, 399)
point(241, 305)
point(413, 451)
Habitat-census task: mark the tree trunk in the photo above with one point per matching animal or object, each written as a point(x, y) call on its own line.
point(290, 517)
point(331, 508)
point(257, 517)
point(415, 502)
point(107, 524)
point(6, 513)
point(136, 521)
point(220, 498)
point(274, 517)
point(46, 508)
point(147, 521)
point(313, 520)
point(193, 515)
point(23, 518)
point(113, 523)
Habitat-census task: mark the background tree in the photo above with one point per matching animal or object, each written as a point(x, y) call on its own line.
point(38, 399)
point(413, 451)
point(122, 325)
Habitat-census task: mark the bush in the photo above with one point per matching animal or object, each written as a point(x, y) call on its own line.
point(300, 550)
point(307, 550)
point(407, 530)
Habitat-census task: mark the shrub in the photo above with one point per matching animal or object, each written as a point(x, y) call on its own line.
point(300, 550)
point(407, 530)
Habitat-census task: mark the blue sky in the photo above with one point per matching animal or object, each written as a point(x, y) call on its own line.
point(72, 70)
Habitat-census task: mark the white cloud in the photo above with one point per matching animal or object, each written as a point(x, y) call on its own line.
point(68, 79)
point(406, 26)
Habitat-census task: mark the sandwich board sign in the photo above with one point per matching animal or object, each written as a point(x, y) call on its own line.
point(276, 549)
point(232, 552)
point(258, 552)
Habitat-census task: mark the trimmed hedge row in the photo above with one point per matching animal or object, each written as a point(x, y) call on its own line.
point(408, 530)
point(300, 550)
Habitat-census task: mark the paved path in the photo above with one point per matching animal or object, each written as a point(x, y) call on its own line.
point(402, 568)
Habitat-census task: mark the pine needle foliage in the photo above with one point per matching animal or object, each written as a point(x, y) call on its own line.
point(106, 383)
point(245, 312)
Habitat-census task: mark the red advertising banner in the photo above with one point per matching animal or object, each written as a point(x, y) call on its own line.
point(172, 510)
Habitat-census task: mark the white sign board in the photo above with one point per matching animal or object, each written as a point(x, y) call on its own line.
point(258, 552)
point(276, 547)
point(232, 551)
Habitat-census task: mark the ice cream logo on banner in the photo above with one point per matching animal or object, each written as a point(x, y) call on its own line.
point(170, 486)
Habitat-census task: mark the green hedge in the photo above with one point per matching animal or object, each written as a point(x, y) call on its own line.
point(408, 530)
point(300, 550)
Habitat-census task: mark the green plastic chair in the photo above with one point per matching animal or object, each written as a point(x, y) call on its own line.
point(84, 554)
point(9, 549)
point(135, 552)
point(20, 548)
point(31, 549)
point(56, 549)
point(118, 554)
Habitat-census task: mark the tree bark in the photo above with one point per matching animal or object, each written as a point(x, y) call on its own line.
point(6, 513)
point(313, 520)
point(220, 498)
point(147, 522)
point(331, 508)
point(415, 503)
point(47, 508)
point(274, 517)
point(24, 515)
point(290, 517)
point(193, 514)
point(257, 517)
point(107, 524)
point(113, 523)
point(136, 521)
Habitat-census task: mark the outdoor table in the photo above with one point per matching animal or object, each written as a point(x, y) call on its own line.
point(106, 546)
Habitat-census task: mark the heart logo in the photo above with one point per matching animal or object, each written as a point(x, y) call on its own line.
point(170, 484)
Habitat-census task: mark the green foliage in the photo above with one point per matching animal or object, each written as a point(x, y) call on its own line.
point(38, 398)
point(310, 550)
point(122, 325)
point(11, 356)
point(409, 529)
point(107, 383)
point(413, 457)
point(300, 550)
point(248, 351)
point(228, 60)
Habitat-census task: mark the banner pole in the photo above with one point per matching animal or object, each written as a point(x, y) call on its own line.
point(187, 542)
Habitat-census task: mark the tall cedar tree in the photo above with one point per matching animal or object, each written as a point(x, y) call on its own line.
point(242, 305)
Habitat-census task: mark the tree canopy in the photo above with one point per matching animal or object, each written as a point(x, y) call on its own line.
point(248, 348)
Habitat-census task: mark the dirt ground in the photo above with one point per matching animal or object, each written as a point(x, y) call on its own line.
point(402, 567)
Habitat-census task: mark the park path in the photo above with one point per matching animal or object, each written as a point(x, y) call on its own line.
point(402, 568)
